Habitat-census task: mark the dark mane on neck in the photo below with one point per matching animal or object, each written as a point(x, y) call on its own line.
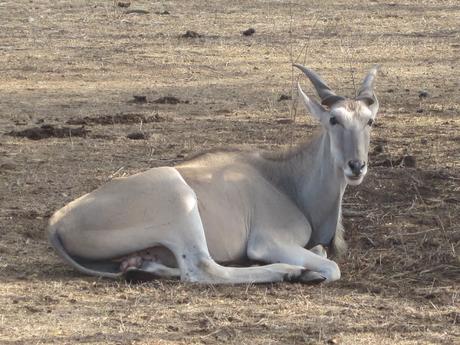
point(290, 152)
point(276, 155)
point(216, 150)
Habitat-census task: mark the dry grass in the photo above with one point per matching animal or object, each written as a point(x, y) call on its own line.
point(72, 59)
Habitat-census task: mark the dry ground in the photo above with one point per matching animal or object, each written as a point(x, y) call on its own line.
point(81, 62)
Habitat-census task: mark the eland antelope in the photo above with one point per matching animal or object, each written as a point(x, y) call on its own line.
point(196, 220)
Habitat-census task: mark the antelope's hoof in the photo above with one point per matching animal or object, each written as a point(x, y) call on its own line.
point(311, 277)
point(130, 263)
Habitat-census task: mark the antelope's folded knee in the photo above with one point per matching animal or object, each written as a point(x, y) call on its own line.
point(331, 272)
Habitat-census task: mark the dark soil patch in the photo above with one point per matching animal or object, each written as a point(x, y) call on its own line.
point(169, 100)
point(138, 99)
point(284, 97)
point(116, 119)
point(49, 131)
point(138, 136)
point(399, 282)
point(191, 34)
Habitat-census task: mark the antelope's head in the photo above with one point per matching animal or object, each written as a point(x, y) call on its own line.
point(348, 122)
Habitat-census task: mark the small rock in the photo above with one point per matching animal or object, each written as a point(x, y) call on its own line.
point(123, 4)
point(249, 32)
point(424, 141)
point(139, 99)
point(333, 341)
point(137, 136)
point(409, 162)
point(423, 94)
point(204, 324)
point(191, 34)
point(284, 97)
point(419, 111)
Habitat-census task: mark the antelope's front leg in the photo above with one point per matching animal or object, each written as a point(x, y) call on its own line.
point(319, 250)
point(319, 267)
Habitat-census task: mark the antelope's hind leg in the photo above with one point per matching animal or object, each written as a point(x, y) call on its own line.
point(196, 264)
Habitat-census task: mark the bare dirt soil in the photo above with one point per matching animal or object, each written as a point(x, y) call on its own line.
point(69, 71)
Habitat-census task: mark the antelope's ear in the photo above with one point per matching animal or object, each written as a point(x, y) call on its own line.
point(366, 92)
point(313, 107)
point(374, 107)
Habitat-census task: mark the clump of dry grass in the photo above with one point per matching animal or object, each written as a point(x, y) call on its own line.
point(86, 62)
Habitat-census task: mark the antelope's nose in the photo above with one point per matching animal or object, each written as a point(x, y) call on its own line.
point(356, 166)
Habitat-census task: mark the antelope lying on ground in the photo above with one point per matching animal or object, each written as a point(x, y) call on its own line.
point(279, 209)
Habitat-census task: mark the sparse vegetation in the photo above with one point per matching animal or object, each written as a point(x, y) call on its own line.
point(79, 60)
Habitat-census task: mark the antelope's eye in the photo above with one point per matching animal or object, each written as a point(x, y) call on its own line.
point(370, 122)
point(333, 121)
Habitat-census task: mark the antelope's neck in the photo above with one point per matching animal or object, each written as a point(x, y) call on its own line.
point(311, 179)
point(320, 191)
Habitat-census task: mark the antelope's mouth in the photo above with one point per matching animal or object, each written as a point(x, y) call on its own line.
point(353, 179)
